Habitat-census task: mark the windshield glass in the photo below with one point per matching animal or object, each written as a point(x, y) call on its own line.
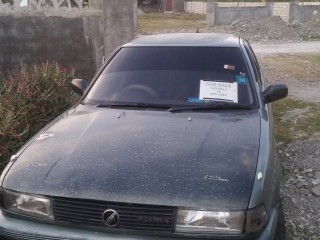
point(174, 76)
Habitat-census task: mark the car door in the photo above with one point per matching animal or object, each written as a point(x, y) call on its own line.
point(272, 164)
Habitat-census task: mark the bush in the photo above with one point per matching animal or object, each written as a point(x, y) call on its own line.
point(29, 99)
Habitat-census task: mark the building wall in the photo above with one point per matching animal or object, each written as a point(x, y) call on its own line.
point(282, 9)
point(119, 23)
point(178, 5)
point(241, 4)
point(73, 35)
point(196, 7)
point(225, 15)
point(38, 39)
point(230, 14)
point(304, 13)
point(200, 7)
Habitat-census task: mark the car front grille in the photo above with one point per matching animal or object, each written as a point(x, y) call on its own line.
point(90, 213)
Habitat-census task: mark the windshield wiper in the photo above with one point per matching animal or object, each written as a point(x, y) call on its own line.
point(133, 105)
point(219, 105)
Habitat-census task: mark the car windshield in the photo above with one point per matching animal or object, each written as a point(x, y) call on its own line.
point(174, 76)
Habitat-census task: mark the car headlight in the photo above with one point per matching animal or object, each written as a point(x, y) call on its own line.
point(190, 221)
point(25, 204)
point(257, 218)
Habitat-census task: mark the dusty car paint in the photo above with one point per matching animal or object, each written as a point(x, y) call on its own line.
point(144, 157)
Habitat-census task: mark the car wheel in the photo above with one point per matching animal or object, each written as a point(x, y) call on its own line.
point(281, 228)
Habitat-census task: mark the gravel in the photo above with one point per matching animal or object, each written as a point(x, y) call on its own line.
point(273, 29)
point(300, 188)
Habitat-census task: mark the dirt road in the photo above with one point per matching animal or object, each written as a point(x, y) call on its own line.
point(278, 48)
point(293, 64)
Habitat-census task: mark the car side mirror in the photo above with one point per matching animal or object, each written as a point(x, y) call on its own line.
point(79, 86)
point(275, 92)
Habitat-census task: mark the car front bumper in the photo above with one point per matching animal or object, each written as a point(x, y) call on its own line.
point(18, 229)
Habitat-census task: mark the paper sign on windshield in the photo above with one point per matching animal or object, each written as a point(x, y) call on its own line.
point(223, 91)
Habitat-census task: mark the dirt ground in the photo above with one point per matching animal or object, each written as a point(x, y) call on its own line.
point(295, 64)
point(263, 48)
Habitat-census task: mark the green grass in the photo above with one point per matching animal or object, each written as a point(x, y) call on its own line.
point(298, 66)
point(155, 22)
point(289, 128)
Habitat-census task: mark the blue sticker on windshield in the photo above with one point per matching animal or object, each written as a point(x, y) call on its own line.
point(242, 80)
point(195, 100)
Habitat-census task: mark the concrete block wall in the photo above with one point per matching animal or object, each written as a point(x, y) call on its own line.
point(304, 13)
point(119, 23)
point(241, 4)
point(72, 36)
point(309, 3)
point(200, 7)
point(195, 7)
point(289, 12)
point(38, 39)
point(178, 6)
point(282, 9)
point(230, 14)
point(226, 15)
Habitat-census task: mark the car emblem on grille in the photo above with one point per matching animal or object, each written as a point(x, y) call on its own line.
point(111, 218)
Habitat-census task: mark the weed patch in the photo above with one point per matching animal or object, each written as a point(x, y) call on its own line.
point(29, 99)
point(295, 119)
point(305, 67)
point(156, 22)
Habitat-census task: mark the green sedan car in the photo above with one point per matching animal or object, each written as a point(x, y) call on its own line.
point(172, 139)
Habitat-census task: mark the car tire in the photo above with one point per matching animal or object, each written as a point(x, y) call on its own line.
point(281, 228)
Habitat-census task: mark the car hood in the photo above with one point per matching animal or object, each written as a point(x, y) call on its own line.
point(201, 160)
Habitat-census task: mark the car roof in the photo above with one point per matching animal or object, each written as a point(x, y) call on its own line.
point(186, 40)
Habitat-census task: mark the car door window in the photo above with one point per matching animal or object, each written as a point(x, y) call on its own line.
point(254, 63)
